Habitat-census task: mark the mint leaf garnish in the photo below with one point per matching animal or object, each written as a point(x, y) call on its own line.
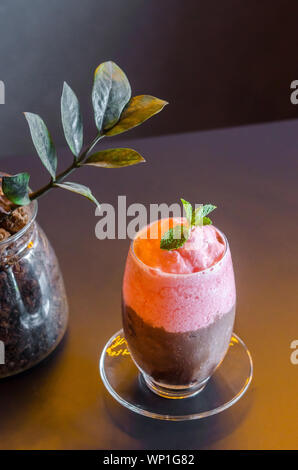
point(207, 221)
point(207, 208)
point(188, 210)
point(174, 238)
point(197, 216)
point(178, 235)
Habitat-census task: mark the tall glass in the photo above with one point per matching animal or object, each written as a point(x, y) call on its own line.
point(178, 326)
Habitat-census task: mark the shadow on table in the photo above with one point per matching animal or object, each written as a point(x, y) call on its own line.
point(192, 434)
point(17, 392)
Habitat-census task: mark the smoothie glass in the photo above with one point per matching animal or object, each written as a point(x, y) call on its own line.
point(178, 326)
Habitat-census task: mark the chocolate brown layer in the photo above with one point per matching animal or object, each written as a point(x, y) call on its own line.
point(177, 358)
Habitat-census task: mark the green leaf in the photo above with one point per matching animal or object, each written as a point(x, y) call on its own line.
point(139, 109)
point(197, 216)
point(174, 238)
point(79, 189)
point(16, 188)
point(71, 119)
point(207, 208)
point(188, 210)
point(111, 92)
point(114, 158)
point(42, 142)
point(207, 221)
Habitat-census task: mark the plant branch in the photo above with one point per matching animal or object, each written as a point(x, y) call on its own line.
point(75, 164)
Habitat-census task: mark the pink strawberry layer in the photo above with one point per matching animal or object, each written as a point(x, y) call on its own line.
point(203, 249)
point(175, 290)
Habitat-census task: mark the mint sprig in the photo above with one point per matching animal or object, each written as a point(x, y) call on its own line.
point(176, 236)
point(188, 210)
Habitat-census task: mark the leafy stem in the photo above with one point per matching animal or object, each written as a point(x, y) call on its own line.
point(75, 164)
point(115, 112)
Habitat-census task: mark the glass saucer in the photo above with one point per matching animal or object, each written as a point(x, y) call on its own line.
point(126, 384)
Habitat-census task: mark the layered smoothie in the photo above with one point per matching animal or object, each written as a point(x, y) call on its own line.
point(178, 306)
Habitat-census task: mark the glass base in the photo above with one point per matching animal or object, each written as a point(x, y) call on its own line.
point(133, 390)
point(173, 392)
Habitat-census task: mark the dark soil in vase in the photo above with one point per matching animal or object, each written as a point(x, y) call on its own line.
point(33, 305)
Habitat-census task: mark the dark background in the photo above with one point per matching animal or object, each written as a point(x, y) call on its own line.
point(218, 63)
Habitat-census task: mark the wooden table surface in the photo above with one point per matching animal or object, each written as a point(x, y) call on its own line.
point(251, 174)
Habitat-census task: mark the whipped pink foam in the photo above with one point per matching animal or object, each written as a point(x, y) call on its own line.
point(180, 290)
point(202, 250)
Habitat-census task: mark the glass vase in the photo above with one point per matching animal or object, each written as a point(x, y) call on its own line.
point(33, 303)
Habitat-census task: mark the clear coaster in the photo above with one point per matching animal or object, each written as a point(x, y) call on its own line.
point(126, 384)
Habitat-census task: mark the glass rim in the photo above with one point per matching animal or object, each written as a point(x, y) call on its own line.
point(16, 236)
point(163, 273)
